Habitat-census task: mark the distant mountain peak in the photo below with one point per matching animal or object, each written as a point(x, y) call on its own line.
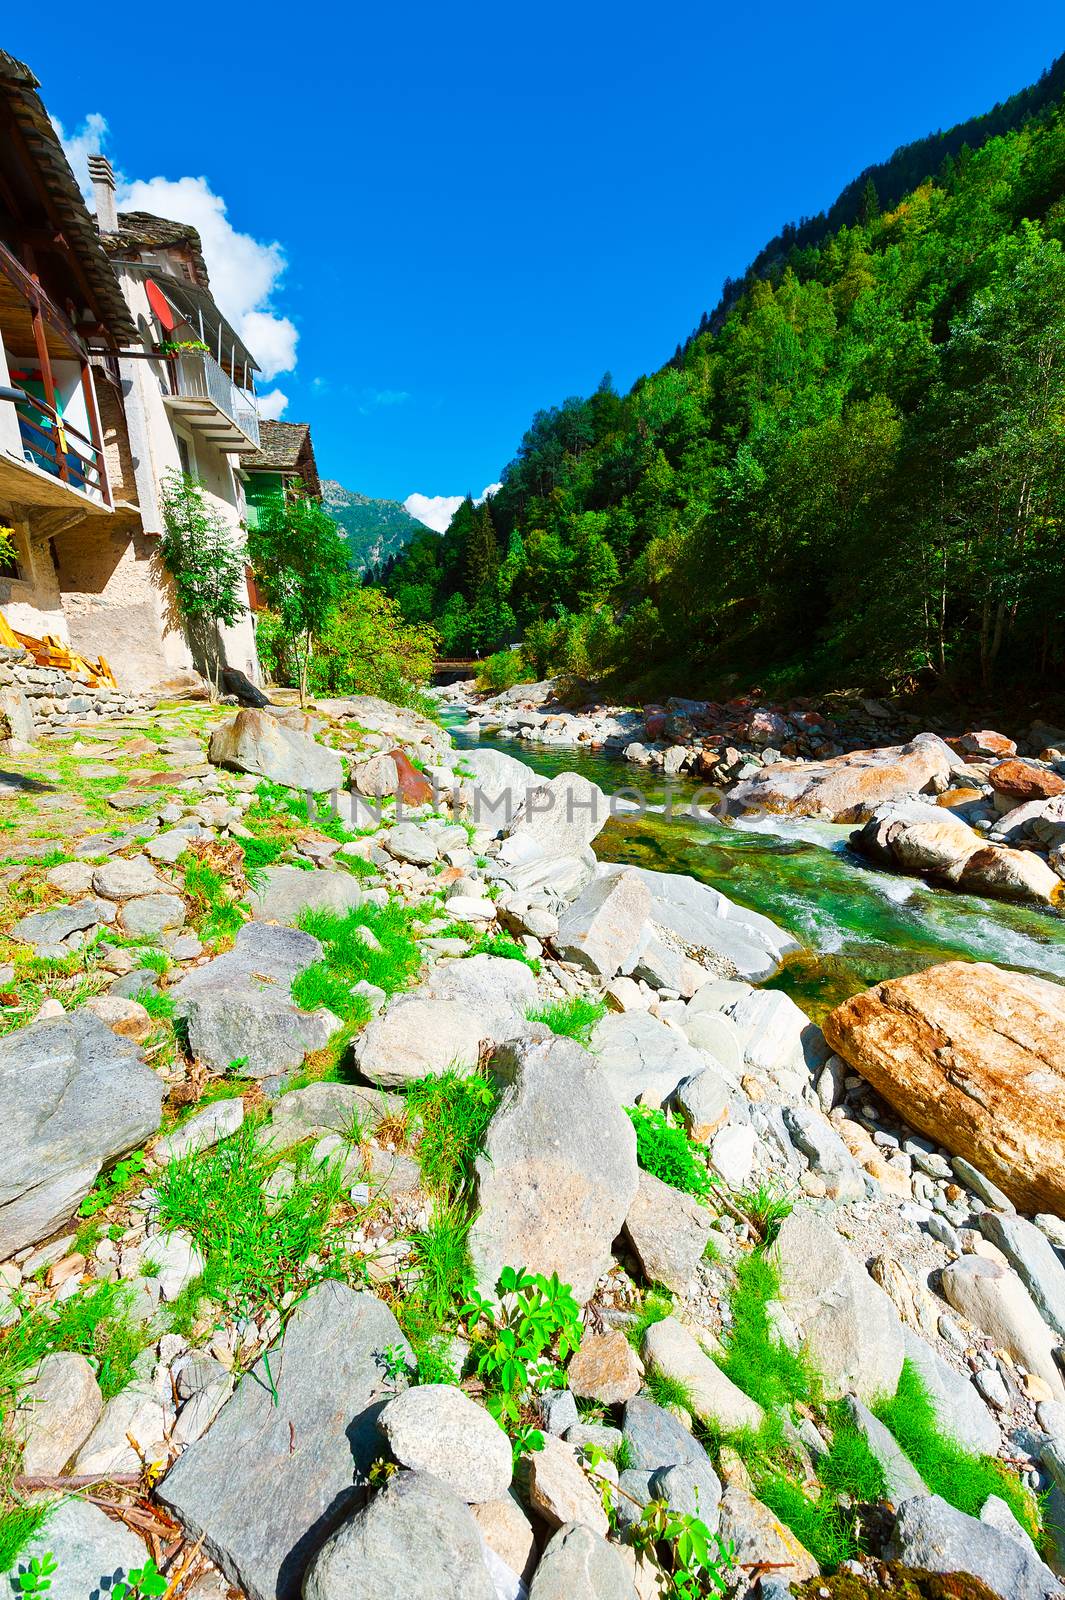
point(373, 529)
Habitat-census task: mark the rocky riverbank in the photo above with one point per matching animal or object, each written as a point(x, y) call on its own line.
point(397, 1199)
point(973, 811)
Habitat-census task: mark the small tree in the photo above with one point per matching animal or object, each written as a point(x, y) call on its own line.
point(207, 565)
point(300, 562)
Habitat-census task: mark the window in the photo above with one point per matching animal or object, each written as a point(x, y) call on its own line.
point(184, 450)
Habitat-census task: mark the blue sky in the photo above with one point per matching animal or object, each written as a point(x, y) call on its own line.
point(449, 216)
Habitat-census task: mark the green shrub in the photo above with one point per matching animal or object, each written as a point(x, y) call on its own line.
point(664, 1150)
point(501, 671)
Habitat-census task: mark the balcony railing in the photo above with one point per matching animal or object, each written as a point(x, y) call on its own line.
point(56, 447)
point(195, 375)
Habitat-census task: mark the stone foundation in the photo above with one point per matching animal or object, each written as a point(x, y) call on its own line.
point(58, 699)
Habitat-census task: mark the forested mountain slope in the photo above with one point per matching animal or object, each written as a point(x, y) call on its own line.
point(374, 529)
point(859, 476)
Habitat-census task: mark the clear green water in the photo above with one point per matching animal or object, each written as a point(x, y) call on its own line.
point(856, 925)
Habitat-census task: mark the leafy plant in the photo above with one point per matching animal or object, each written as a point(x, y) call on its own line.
point(142, 1583)
point(301, 565)
point(37, 1578)
point(122, 1175)
point(664, 1150)
point(501, 944)
point(525, 1340)
point(203, 556)
point(699, 1561)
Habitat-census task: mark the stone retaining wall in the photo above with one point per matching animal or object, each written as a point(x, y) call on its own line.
point(58, 699)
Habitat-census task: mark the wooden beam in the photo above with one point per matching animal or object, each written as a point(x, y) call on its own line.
point(95, 431)
point(49, 388)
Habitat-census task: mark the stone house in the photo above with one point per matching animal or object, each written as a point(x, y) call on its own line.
point(116, 367)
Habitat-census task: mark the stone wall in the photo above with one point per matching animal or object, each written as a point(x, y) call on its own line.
point(58, 699)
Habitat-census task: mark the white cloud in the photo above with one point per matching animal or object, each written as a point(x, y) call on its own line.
point(86, 141)
point(272, 406)
point(244, 272)
point(437, 510)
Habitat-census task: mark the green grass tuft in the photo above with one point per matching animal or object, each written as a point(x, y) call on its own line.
point(754, 1357)
point(668, 1391)
point(390, 960)
point(655, 1307)
point(574, 1018)
point(501, 944)
point(449, 1116)
point(962, 1479)
point(95, 1323)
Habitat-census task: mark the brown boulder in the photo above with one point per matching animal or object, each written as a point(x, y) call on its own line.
point(986, 742)
point(411, 787)
point(1022, 781)
point(847, 788)
point(1011, 875)
point(974, 1057)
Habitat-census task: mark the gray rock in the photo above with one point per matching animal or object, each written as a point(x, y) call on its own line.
point(286, 1456)
point(779, 1041)
point(136, 1413)
point(238, 1006)
point(436, 1428)
point(122, 879)
point(558, 1173)
point(656, 1439)
point(960, 1411)
point(323, 1108)
point(416, 1037)
point(579, 1564)
point(177, 1260)
point(901, 1478)
point(974, 1179)
point(664, 967)
point(168, 846)
point(702, 1103)
point(668, 1231)
point(91, 1553)
point(71, 877)
point(1028, 1250)
point(559, 1489)
point(258, 743)
point(284, 893)
point(415, 1538)
point(560, 1411)
point(55, 926)
point(997, 1514)
point(671, 1348)
point(152, 913)
point(706, 921)
point(499, 991)
point(828, 1156)
point(57, 1412)
point(408, 842)
point(641, 1059)
point(202, 1131)
point(73, 1096)
point(849, 1324)
point(604, 928)
point(692, 1489)
point(931, 1535)
point(996, 1301)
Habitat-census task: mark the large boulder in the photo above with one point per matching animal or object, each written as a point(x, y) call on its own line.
point(974, 1057)
point(417, 1037)
point(558, 1173)
point(959, 1407)
point(257, 742)
point(604, 928)
point(995, 1300)
point(932, 1536)
point(549, 842)
point(847, 788)
point(847, 1322)
point(918, 836)
point(1022, 780)
point(416, 1539)
point(673, 1350)
point(282, 894)
point(92, 1553)
point(497, 789)
point(579, 1564)
point(1012, 875)
point(642, 1060)
point(724, 936)
point(1033, 1257)
point(668, 1232)
point(73, 1097)
point(436, 1428)
point(287, 1456)
point(238, 1007)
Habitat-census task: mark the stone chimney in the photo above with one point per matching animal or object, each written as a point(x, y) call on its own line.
point(103, 189)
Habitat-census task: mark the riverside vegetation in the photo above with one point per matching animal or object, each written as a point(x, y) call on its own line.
point(399, 1199)
point(851, 473)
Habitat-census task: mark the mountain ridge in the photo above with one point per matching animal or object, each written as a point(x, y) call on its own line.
point(374, 529)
